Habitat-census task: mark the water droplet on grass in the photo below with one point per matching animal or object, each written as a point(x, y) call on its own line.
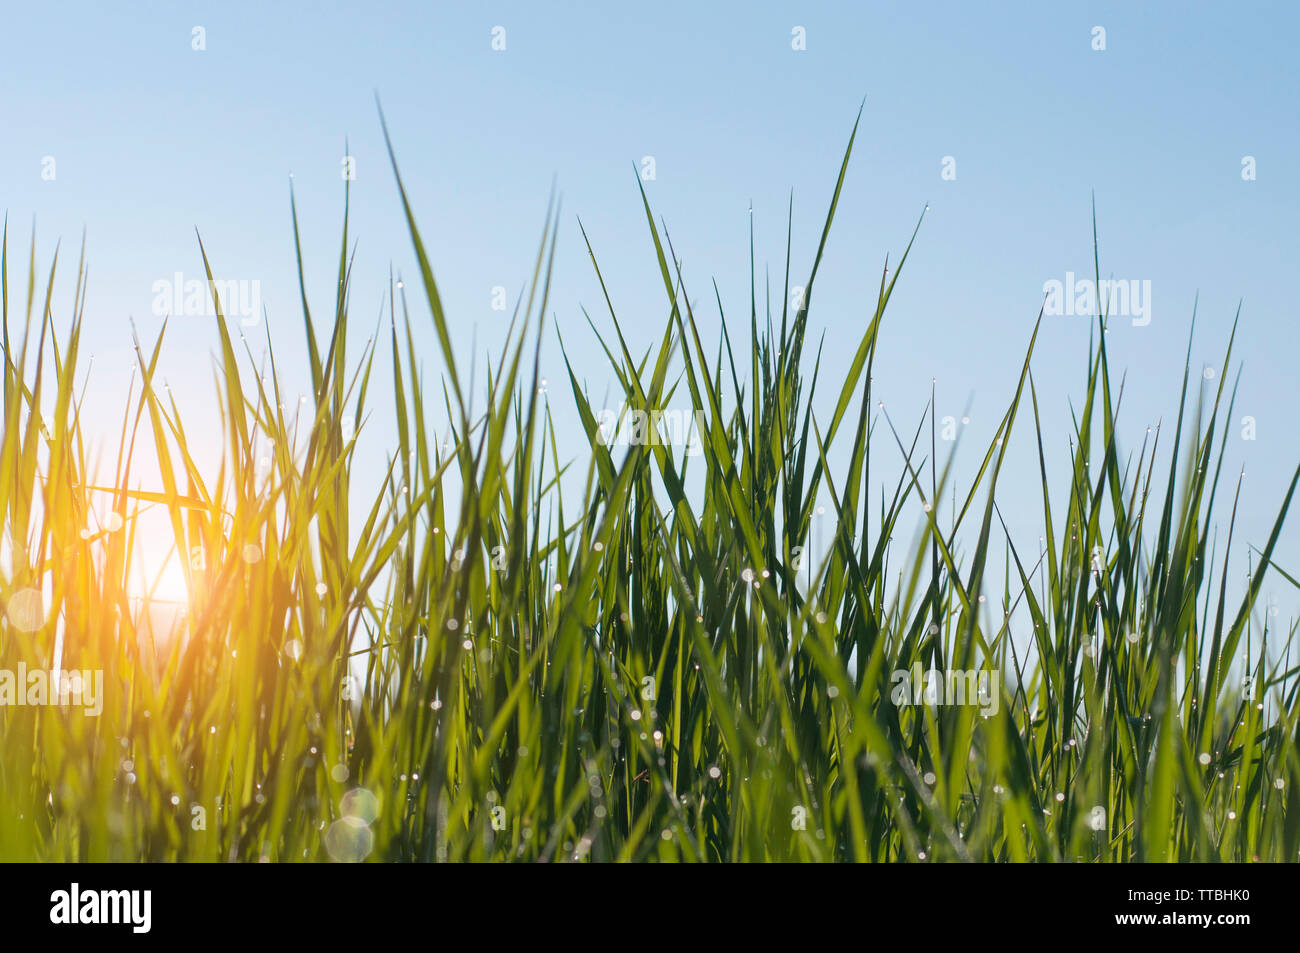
point(349, 840)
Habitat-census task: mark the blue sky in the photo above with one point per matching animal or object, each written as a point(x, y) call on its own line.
point(152, 138)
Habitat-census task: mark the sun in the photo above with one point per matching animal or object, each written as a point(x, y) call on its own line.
point(171, 583)
point(161, 579)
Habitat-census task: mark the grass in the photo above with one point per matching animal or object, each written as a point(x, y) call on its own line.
point(482, 667)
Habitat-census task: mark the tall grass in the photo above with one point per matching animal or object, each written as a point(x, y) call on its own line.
point(664, 668)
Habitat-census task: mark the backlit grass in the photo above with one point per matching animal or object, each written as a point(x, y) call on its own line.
point(486, 665)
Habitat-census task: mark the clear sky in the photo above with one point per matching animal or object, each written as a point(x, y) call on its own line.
point(151, 138)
